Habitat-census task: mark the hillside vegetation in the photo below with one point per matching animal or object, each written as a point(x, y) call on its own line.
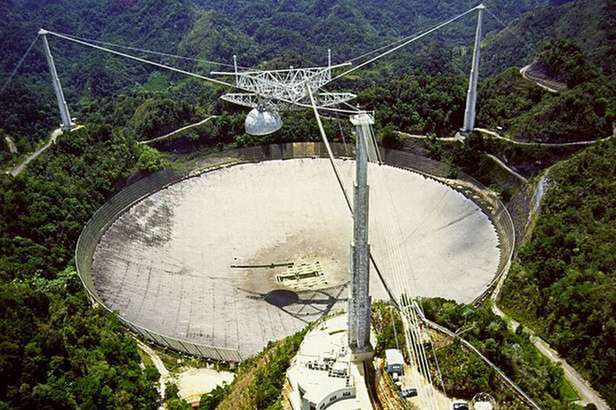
point(563, 283)
point(274, 34)
point(259, 380)
point(588, 23)
point(585, 111)
point(55, 350)
point(466, 374)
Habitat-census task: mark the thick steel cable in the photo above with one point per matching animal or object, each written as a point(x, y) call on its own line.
point(376, 50)
point(438, 367)
point(408, 325)
point(142, 60)
point(402, 265)
point(142, 50)
point(505, 26)
point(411, 330)
point(405, 43)
point(329, 149)
point(350, 206)
point(18, 66)
point(346, 151)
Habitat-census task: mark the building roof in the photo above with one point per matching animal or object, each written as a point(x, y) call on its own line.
point(323, 366)
point(394, 356)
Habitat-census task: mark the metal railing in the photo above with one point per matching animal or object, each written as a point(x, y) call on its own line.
point(122, 201)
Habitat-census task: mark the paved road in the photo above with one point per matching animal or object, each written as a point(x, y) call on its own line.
point(172, 133)
point(584, 390)
point(507, 168)
point(160, 366)
point(20, 167)
point(494, 134)
point(520, 393)
point(52, 140)
point(423, 137)
point(548, 85)
point(541, 144)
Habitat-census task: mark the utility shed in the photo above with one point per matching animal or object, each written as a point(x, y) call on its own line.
point(395, 361)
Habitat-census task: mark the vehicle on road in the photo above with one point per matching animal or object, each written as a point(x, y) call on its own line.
point(459, 405)
point(407, 393)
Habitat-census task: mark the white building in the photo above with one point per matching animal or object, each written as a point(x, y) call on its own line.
point(395, 361)
point(322, 375)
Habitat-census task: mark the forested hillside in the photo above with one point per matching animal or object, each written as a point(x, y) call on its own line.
point(564, 282)
point(465, 374)
point(55, 351)
point(590, 24)
point(275, 33)
point(86, 74)
point(584, 111)
point(352, 27)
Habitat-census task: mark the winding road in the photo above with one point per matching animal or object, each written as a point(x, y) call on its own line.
point(160, 366)
point(172, 133)
point(20, 167)
point(496, 135)
point(542, 144)
point(583, 388)
point(52, 140)
point(548, 85)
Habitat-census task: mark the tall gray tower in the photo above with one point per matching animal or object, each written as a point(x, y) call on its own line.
point(67, 122)
point(359, 300)
point(471, 96)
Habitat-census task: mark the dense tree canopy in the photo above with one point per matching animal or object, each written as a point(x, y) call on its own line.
point(564, 281)
point(55, 351)
point(465, 374)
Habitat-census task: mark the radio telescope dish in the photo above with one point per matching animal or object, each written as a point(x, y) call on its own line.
point(262, 122)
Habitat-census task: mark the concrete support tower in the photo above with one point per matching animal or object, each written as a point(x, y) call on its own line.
point(359, 300)
point(67, 122)
point(471, 96)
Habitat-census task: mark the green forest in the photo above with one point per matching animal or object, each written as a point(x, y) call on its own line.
point(465, 374)
point(56, 351)
point(563, 282)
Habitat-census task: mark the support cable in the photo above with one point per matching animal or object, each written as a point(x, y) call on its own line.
point(438, 367)
point(329, 149)
point(407, 42)
point(393, 324)
point(505, 26)
point(106, 43)
point(348, 202)
point(346, 151)
point(401, 265)
point(142, 60)
point(398, 282)
point(18, 66)
point(401, 300)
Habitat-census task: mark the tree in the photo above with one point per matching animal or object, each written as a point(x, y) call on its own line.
point(390, 138)
point(150, 160)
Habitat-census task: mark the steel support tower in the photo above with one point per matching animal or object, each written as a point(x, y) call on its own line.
point(67, 122)
point(471, 96)
point(359, 300)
